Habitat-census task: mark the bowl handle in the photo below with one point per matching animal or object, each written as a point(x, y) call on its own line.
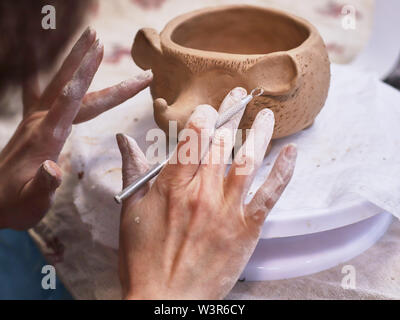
point(277, 74)
point(146, 48)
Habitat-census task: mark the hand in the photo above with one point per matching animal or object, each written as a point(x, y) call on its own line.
point(29, 174)
point(189, 235)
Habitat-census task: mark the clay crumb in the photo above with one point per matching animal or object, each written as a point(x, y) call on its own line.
point(81, 174)
point(318, 165)
point(112, 170)
point(137, 220)
point(136, 120)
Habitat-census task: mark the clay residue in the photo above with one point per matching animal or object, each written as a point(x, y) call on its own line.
point(113, 170)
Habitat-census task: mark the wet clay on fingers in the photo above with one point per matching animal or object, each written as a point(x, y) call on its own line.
point(202, 55)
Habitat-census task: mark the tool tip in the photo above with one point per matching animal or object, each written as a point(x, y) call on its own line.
point(118, 199)
point(257, 92)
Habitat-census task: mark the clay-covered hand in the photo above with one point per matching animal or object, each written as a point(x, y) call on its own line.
point(29, 174)
point(189, 235)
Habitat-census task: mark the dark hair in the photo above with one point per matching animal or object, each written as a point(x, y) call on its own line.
point(25, 45)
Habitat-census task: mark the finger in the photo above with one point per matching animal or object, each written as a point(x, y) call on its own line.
point(134, 163)
point(47, 179)
point(98, 102)
point(224, 137)
point(67, 70)
point(194, 142)
point(269, 193)
point(30, 92)
point(250, 156)
point(61, 115)
point(40, 190)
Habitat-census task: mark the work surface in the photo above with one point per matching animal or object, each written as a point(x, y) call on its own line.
point(84, 256)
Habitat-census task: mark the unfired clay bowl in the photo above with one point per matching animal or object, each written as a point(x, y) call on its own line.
point(200, 56)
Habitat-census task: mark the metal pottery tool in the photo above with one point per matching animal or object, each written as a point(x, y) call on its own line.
point(222, 119)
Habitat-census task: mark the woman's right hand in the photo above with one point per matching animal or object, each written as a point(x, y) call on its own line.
point(189, 235)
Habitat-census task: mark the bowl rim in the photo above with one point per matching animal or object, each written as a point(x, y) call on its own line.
point(167, 42)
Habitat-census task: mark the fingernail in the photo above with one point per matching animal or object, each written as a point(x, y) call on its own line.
point(89, 31)
point(122, 141)
point(131, 144)
point(120, 137)
point(291, 151)
point(100, 50)
point(145, 75)
point(86, 32)
point(47, 169)
point(238, 93)
point(266, 113)
point(52, 173)
point(96, 44)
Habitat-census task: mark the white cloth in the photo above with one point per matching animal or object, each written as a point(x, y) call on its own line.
point(350, 154)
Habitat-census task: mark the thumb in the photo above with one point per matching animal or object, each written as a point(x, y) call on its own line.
point(134, 162)
point(46, 180)
point(38, 193)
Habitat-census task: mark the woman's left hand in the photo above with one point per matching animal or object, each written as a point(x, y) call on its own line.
point(29, 174)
